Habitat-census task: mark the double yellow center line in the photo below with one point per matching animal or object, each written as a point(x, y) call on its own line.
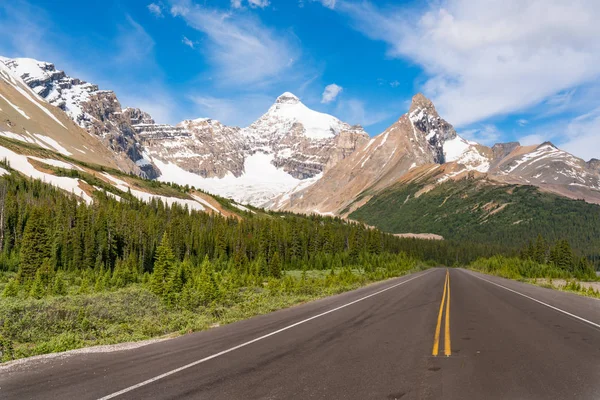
point(436, 339)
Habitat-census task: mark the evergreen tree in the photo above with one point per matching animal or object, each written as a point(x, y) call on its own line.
point(163, 267)
point(11, 289)
point(206, 285)
point(37, 289)
point(275, 266)
point(35, 246)
point(59, 287)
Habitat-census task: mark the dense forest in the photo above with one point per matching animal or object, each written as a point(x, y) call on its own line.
point(474, 211)
point(44, 229)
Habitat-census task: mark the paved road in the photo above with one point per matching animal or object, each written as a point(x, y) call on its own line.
point(503, 342)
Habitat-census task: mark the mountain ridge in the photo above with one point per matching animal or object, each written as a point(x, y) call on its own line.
point(297, 159)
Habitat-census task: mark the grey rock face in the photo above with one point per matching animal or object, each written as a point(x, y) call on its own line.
point(97, 111)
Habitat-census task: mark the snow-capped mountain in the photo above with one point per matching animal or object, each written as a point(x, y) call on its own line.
point(289, 145)
point(423, 141)
point(291, 158)
point(27, 117)
point(97, 111)
point(418, 138)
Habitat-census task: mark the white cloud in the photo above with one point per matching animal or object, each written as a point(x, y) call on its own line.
point(583, 135)
point(485, 134)
point(327, 3)
point(579, 136)
point(251, 3)
point(489, 58)
point(394, 84)
point(134, 44)
point(237, 111)
point(354, 111)
point(239, 47)
point(330, 93)
point(187, 42)
point(522, 122)
point(155, 9)
point(532, 139)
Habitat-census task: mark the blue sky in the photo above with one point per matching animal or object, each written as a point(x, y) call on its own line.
point(498, 70)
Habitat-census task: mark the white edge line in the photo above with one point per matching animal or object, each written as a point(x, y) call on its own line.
point(193, 364)
point(540, 302)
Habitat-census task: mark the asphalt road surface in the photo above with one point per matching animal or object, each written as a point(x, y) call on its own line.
point(494, 339)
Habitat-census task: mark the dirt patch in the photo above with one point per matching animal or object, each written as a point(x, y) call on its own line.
point(426, 236)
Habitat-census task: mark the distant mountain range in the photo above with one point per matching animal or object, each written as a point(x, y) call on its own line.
point(291, 158)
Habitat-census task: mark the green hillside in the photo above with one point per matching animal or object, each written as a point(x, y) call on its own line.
point(476, 210)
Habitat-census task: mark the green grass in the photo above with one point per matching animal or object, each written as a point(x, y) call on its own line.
point(30, 326)
point(528, 271)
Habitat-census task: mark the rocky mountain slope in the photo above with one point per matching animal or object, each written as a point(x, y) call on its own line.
point(27, 117)
point(418, 138)
point(291, 158)
point(290, 145)
point(287, 148)
point(422, 138)
point(97, 111)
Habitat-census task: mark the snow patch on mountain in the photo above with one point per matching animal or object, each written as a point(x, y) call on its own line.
point(260, 182)
point(21, 163)
point(465, 152)
point(19, 110)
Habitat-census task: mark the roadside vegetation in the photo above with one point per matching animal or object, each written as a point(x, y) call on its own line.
point(74, 275)
point(544, 264)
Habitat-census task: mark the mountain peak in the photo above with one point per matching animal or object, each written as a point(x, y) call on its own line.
point(287, 98)
point(419, 101)
point(547, 144)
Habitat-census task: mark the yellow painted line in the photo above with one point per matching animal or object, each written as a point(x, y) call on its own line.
point(436, 339)
point(447, 348)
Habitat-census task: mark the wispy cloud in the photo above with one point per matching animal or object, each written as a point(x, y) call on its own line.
point(579, 136)
point(188, 42)
point(155, 9)
point(489, 58)
point(251, 3)
point(133, 43)
point(237, 110)
point(327, 3)
point(330, 93)
point(487, 134)
point(240, 48)
point(355, 111)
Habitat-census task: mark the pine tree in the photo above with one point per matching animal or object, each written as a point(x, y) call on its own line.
point(163, 266)
point(84, 288)
point(35, 246)
point(58, 287)
point(37, 289)
point(206, 285)
point(540, 250)
point(275, 266)
point(11, 289)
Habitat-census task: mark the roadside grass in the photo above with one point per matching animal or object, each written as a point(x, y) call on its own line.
point(30, 326)
point(571, 286)
point(528, 271)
